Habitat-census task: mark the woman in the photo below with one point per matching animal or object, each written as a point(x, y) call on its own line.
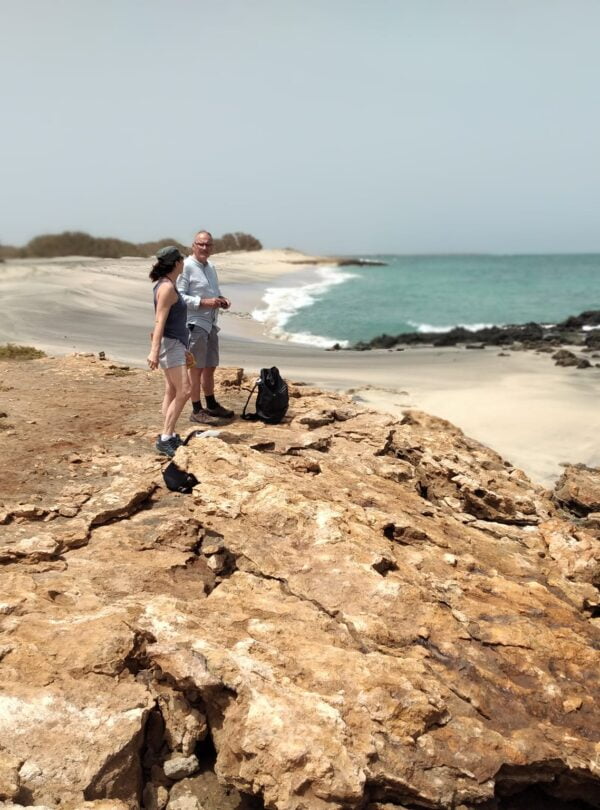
point(169, 344)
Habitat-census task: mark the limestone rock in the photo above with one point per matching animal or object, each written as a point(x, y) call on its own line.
point(185, 802)
point(396, 618)
point(132, 484)
point(208, 794)
point(180, 767)
point(49, 728)
point(155, 797)
point(592, 521)
point(317, 535)
point(231, 377)
point(578, 489)
point(185, 727)
point(9, 775)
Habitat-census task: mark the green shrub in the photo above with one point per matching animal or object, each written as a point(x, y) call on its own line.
point(11, 352)
point(79, 243)
point(9, 252)
point(236, 241)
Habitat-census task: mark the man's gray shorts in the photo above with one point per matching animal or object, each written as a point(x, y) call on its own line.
point(204, 346)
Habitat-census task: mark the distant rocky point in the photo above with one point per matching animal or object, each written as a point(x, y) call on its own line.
point(581, 331)
point(340, 261)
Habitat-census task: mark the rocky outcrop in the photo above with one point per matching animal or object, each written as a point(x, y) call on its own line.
point(578, 489)
point(579, 331)
point(350, 611)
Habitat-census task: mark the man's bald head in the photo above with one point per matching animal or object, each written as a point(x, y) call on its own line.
point(202, 246)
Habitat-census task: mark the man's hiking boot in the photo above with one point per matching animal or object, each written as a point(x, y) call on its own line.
point(203, 418)
point(166, 447)
point(220, 412)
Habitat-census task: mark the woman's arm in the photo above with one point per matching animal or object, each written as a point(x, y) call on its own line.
point(165, 298)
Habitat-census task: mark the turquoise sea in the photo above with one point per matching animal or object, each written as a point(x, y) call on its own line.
point(428, 293)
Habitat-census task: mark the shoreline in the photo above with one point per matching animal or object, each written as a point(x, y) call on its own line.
point(534, 414)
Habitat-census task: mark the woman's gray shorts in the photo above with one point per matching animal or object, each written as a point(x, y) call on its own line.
point(172, 353)
point(204, 346)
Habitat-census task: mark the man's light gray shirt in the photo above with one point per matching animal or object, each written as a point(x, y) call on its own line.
point(199, 281)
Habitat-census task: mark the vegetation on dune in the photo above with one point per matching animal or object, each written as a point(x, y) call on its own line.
point(236, 241)
point(78, 243)
point(9, 351)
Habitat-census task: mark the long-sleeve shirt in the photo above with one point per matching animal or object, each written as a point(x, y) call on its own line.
point(199, 281)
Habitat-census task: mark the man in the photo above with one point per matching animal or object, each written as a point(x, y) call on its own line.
point(199, 288)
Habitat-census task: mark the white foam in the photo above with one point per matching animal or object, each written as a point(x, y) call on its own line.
point(306, 339)
point(472, 327)
point(282, 303)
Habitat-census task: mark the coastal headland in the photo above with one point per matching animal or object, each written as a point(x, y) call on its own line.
point(536, 414)
point(352, 611)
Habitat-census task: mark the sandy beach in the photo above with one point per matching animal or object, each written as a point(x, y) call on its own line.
point(535, 414)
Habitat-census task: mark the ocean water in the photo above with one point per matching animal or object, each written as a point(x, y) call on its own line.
point(428, 293)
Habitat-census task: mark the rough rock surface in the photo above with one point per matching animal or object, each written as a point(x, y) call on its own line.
point(578, 489)
point(350, 611)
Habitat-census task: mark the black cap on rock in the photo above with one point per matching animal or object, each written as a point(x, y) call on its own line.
point(169, 254)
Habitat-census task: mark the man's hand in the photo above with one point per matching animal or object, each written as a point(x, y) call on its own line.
point(212, 303)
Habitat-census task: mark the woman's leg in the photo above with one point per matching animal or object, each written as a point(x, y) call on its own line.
point(178, 378)
point(169, 396)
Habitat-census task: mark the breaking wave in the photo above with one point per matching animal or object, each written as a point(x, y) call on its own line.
point(282, 303)
point(472, 327)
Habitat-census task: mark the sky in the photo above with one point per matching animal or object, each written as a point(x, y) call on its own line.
point(331, 126)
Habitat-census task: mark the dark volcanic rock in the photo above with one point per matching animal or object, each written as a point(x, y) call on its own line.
point(592, 339)
point(542, 337)
point(563, 357)
point(589, 318)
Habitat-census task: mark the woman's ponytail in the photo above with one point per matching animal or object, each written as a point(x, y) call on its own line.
point(160, 270)
point(167, 259)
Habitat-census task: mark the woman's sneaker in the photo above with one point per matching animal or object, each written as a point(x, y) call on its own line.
point(166, 447)
point(203, 418)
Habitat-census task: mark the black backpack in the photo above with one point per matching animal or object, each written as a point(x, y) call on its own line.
point(177, 480)
point(272, 398)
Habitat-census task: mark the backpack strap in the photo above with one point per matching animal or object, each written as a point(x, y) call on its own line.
point(249, 417)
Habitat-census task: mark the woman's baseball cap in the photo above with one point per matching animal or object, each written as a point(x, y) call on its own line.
point(169, 254)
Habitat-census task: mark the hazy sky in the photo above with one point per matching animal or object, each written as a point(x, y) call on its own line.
point(327, 125)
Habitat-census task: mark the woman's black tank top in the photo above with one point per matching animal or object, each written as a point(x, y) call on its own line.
point(175, 326)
